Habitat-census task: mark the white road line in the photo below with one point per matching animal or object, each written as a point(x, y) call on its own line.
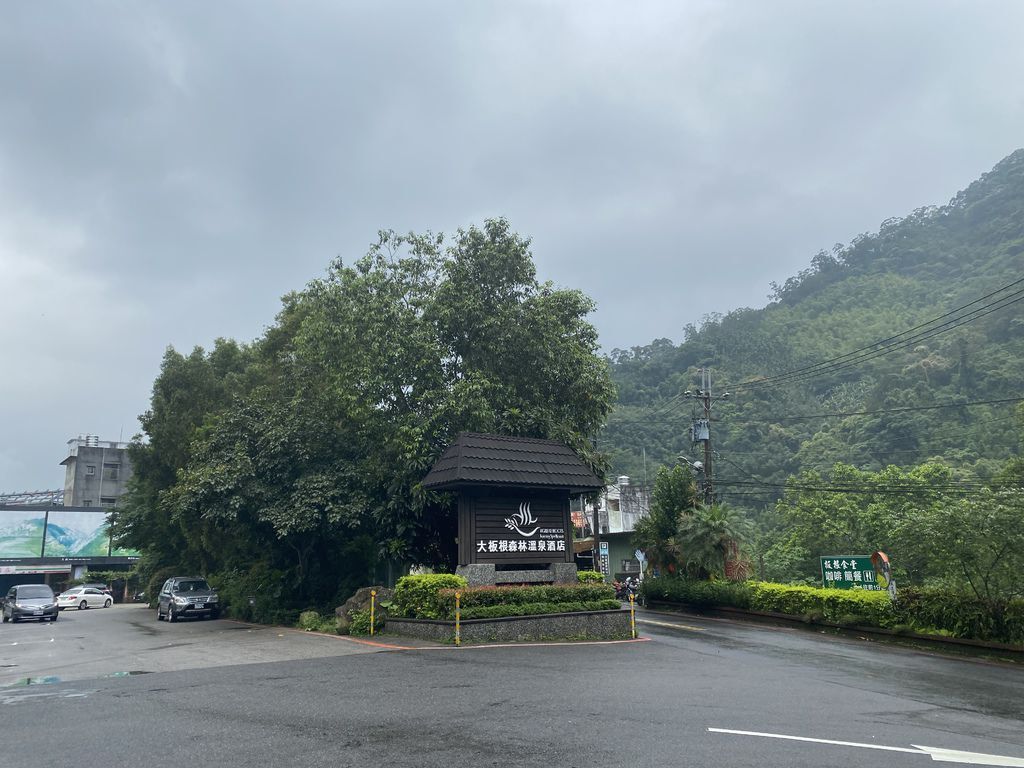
point(668, 624)
point(937, 754)
point(818, 741)
point(973, 758)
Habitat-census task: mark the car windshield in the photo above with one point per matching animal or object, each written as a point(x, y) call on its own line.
point(192, 586)
point(72, 591)
point(30, 592)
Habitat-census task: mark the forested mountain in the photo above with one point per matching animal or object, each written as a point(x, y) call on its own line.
point(904, 346)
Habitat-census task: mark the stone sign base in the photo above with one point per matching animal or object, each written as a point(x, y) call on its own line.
point(486, 575)
point(585, 625)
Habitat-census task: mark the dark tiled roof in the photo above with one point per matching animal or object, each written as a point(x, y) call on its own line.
point(475, 459)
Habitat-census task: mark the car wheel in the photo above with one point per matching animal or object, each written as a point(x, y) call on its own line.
point(53, 618)
point(159, 616)
point(171, 615)
point(83, 605)
point(14, 619)
point(107, 603)
point(6, 618)
point(215, 615)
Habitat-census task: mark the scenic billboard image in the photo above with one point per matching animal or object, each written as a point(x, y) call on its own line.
point(68, 533)
point(79, 533)
point(21, 533)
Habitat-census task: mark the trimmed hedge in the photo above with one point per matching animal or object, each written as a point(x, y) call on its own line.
point(590, 577)
point(962, 615)
point(492, 602)
point(418, 597)
point(924, 610)
point(534, 609)
point(704, 594)
point(433, 597)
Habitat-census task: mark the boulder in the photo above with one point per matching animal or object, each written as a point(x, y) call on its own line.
point(360, 601)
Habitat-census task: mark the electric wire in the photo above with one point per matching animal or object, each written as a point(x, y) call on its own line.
point(921, 332)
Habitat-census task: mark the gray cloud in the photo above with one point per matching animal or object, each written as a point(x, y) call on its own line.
point(167, 171)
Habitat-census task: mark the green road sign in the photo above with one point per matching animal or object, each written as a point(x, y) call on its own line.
point(848, 572)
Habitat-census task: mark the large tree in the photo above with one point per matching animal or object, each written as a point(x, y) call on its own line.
point(364, 379)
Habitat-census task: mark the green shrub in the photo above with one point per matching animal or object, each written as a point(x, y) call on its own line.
point(534, 609)
point(850, 606)
point(417, 597)
point(361, 622)
point(328, 625)
point(559, 599)
point(265, 585)
point(309, 620)
point(705, 594)
point(934, 610)
point(590, 577)
point(961, 614)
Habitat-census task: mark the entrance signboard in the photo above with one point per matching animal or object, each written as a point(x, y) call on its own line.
point(848, 572)
point(518, 529)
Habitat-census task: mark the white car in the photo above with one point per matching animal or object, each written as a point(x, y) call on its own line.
point(83, 597)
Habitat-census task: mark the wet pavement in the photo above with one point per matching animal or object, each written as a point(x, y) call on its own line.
point(691, 692)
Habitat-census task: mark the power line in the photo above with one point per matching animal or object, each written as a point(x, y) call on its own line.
point(937, 325)
point(770, 419)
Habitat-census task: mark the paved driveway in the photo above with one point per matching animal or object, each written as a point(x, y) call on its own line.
point(123, 639)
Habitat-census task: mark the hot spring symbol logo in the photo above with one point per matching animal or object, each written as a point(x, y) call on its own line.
point(521, 520)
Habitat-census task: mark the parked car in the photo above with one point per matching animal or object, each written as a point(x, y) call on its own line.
point(83, 597)
point(30, 601)
point(187, 596)
point(101, 587)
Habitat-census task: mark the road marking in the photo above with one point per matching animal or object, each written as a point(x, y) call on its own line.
point(937, 754)
point(29, 642)
point(973, 758)
point(668, 624)
point(816, 741)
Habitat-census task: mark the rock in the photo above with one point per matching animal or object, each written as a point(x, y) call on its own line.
point(360, 601)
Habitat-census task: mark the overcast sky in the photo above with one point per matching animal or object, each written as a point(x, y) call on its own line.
point(169, 170)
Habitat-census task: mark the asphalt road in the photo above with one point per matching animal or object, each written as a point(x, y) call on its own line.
point(127, 639)
point(647, 703)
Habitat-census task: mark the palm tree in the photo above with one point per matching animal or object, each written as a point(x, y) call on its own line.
point(673, 499)
point(710, 536)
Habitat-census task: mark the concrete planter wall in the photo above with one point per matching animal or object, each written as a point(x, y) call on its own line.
point(586, 625)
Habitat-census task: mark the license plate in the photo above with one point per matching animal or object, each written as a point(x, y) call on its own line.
point(37, 613)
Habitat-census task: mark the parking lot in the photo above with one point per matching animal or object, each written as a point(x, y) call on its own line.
point(127, 639)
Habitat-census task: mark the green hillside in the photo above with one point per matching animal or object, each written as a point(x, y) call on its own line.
point(929, 394)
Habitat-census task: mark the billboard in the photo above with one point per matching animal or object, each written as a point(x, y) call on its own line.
point(21, 532)
point(76, 532)
point(57, 532)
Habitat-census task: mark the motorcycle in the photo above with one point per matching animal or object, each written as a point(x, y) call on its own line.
point(625, 588)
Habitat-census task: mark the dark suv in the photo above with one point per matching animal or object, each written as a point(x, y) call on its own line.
point(187, 596)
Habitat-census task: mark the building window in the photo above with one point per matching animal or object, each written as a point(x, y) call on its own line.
point(86, 502)
point(90, 469)
point(108, 501)
point(111, 471)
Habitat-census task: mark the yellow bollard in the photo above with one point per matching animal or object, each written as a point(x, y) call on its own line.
point(458, 618)
point(373, 602)
point(632, 616)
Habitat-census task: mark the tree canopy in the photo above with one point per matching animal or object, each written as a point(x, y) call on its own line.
point(303, 452)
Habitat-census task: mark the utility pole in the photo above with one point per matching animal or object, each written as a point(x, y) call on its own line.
point(701, 429)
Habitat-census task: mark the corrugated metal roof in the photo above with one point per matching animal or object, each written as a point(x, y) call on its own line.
point(479, 459)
